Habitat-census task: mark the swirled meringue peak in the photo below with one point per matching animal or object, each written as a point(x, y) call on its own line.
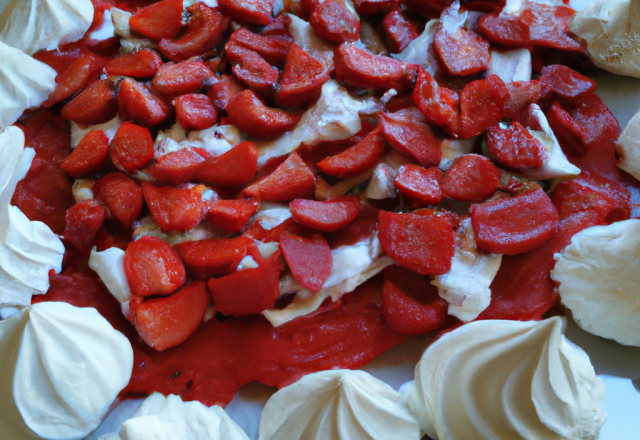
point(61, 368)
point(511, 380)
point(337, 404)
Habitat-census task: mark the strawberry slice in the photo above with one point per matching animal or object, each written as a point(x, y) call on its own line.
point(357, 159)
point(222, 91)
point(308, 256)
point(174, 209)
point(274, 49)
point(195, 112)
point(471, 178)
point(567, 130)
point(183, 77)
point(152, 267)
point(422, 185)
point(256, 12)
point(335, 22)
point(179, 166)
point(77, 76)
point(514, 147)
point(365, 7)
point(138, 104)
point(121, 195)
point(141, 64)
point(131, 147)
point(248, 291)
point(232, 215)
point(611, 202)
point(400, 31)
point(205, 259)
point(422, 243)
point(252, 70)
point(481, 105)
point(89, 156)
point(439, 105)
point(302, 79)
point(96, 104)
point(522, 94)
point(328, 215)
point(514, 225)
point(407, 132)
point(82, 223)
point(566, 82)
point(163, 323)
point(250, 115)
point(292, 179)
point(159, 20)
point(233, 169)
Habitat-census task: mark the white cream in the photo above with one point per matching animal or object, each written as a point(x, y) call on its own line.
point(510, 65)
point(216, 140)
point(107, 30)
point(28, 250)
point(421, 51)
point(78, 132)
point(381, 186)
point(109, 265)
point(32, 25)
point(628, 147)
point(61, 368)
point(499, 379)
point(337, 405)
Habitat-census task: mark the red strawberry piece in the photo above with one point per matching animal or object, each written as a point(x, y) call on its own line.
point(203, 31)
point(597, 121)
point(357, 159)
point(308, 256)
point(408, 133)
point(232, 215)
point(48, 135)
point(471, 178)
point(422, 243)
point(410, 303)
point(159, 20)
point(328, 215)
point(195, 112)
point(82, 223)
point(611, 202)
point(121, 195)
point(400, 31)
point(94, 105)
point(179, 166)
point(514, 147)
point(365, 7)
point(274, 49)
point(481, 105)
point(522, 94)
point(256, 12)
point(292, 179)
point(152, 267)
point(233, 169)
point(138, 104)
point(61, 57)
point(364, 70)
point(421, 184)
point(141, 64)
point(250, 115)
point(310, 5)
point(252, 70)
point(248, 291)
point(334, 21)
point(302, 79)
point(89, 156)
point(163, 323)
point(174, 209)
point(77, 76)
point(222, 91)
point(566, 129)
point(205, 259)
point(566, 82)
point(514, 225)
point(257, 232)
point(109, 236)
point(131, 147)
point(439, 105)
point(183, 77)
point(278, 27)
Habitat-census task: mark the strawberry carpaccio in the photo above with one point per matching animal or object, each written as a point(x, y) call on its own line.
point(443, 146)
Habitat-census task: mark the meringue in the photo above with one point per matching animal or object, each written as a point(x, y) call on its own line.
point(337, 404)
point(510, 65)
point(628, 147)
point(62, 367)
point(28, 250)
point(500, 379)
point(598, 276)
point(109, 265)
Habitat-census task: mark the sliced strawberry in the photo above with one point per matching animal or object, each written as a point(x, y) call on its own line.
point(141, 64)
point(566, 82)
point(232, 215)
point(203, 31)
point(357, 159)
point(566, 129)
point(205, 259)
point(48, 135)
point(233, 169)
point(252, 70)
point(248, 11)
point(308, 256)
point(514, 225)
point(174, 209)
point(439, 105)
point(292, 179)
point(365, 7)
point(420, 184)
point(364, 70)
point(112, 235)
point(195, 112)
point(250, 115)
point(611, 202)
point(334, 21)
point(61, 57)
point(159, 20)
point(273, 49)
point(408, 133)
point(421, 243)
point(400, 31)
point(96, 104)
point(152, 267)
point(328, 215)
point(131, 147)
point(163, 323)
point(481, 105)
point(179, 166)
point(522, 94)
point(77, 76)
point(410, 303)
point(471, 178)
point(514, 147)
point(121, 195)
point(138, 104)
point(302, 79)
point(183, 77)
point(222, 91)
point(82, 223)
point(89, 156)
point(278, 27)
point(248, 291)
